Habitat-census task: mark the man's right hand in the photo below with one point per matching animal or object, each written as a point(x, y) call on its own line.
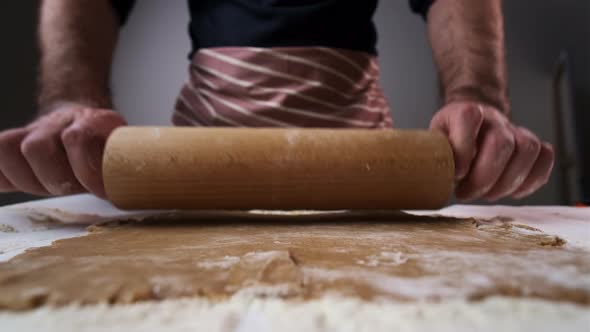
point(59, 153)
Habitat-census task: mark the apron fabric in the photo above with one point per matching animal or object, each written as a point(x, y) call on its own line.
point(282, 87)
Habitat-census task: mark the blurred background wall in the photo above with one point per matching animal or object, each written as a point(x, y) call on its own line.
point(18, 65)
point(151, 64)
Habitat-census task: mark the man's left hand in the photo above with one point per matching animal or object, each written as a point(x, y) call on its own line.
point(493, 157)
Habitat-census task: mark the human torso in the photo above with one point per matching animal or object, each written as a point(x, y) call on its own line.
point(345, 24)
point(282, 63)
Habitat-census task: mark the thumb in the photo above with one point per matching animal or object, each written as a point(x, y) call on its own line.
point(461, 123)
point(84, 141)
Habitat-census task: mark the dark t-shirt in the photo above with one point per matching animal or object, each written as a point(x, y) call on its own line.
point(346, 24)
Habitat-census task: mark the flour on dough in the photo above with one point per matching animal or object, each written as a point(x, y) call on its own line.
point(372, 256)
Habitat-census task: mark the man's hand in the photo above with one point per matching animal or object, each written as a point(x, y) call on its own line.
point(493, 157)
point(59, 153)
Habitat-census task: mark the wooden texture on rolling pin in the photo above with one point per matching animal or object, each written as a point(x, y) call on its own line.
point(239, 168)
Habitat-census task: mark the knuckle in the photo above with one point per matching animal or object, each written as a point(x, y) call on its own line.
point(524, 132)
point(533, 145)
point(549, 150)
point(74, 135)
point(526, 138)
point(439, 124)
point(436, 121)
point(87, 126)
point(528, 143)
point(9, 139)
point(34, 145)
point(104, 114)
point(99, 130)
point(469, 111)
point(105, 123)
point(502, 140)
point(30, 146)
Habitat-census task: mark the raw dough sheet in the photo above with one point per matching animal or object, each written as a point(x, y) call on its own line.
point(366, 255)
point(241, 271)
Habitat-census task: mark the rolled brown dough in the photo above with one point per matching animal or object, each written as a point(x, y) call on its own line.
point(376, 255)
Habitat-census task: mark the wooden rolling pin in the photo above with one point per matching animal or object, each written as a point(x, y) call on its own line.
point(239, 168)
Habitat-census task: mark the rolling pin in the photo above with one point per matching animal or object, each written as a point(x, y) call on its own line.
point(247, 168)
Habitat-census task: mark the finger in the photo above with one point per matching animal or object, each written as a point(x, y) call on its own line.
point(497, 145)
point(45, 153)
point(13, 164)
point(5, 185)
point(526, 151)
point(440, 121)
point(84, 142)
point(539, 174)
point(464, 126)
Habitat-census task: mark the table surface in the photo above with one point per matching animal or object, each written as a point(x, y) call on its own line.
point(39, 223)
point(76, 212)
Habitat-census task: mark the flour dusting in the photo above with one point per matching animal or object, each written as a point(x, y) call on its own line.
point(223, 263)
point(384, 259)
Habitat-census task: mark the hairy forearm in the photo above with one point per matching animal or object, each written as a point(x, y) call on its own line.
point(77, 39)
point(467, 38)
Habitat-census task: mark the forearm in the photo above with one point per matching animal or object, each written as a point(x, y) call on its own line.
point(77, 39)
point(467, 38)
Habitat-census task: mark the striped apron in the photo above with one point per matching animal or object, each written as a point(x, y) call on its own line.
point(282, 87)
